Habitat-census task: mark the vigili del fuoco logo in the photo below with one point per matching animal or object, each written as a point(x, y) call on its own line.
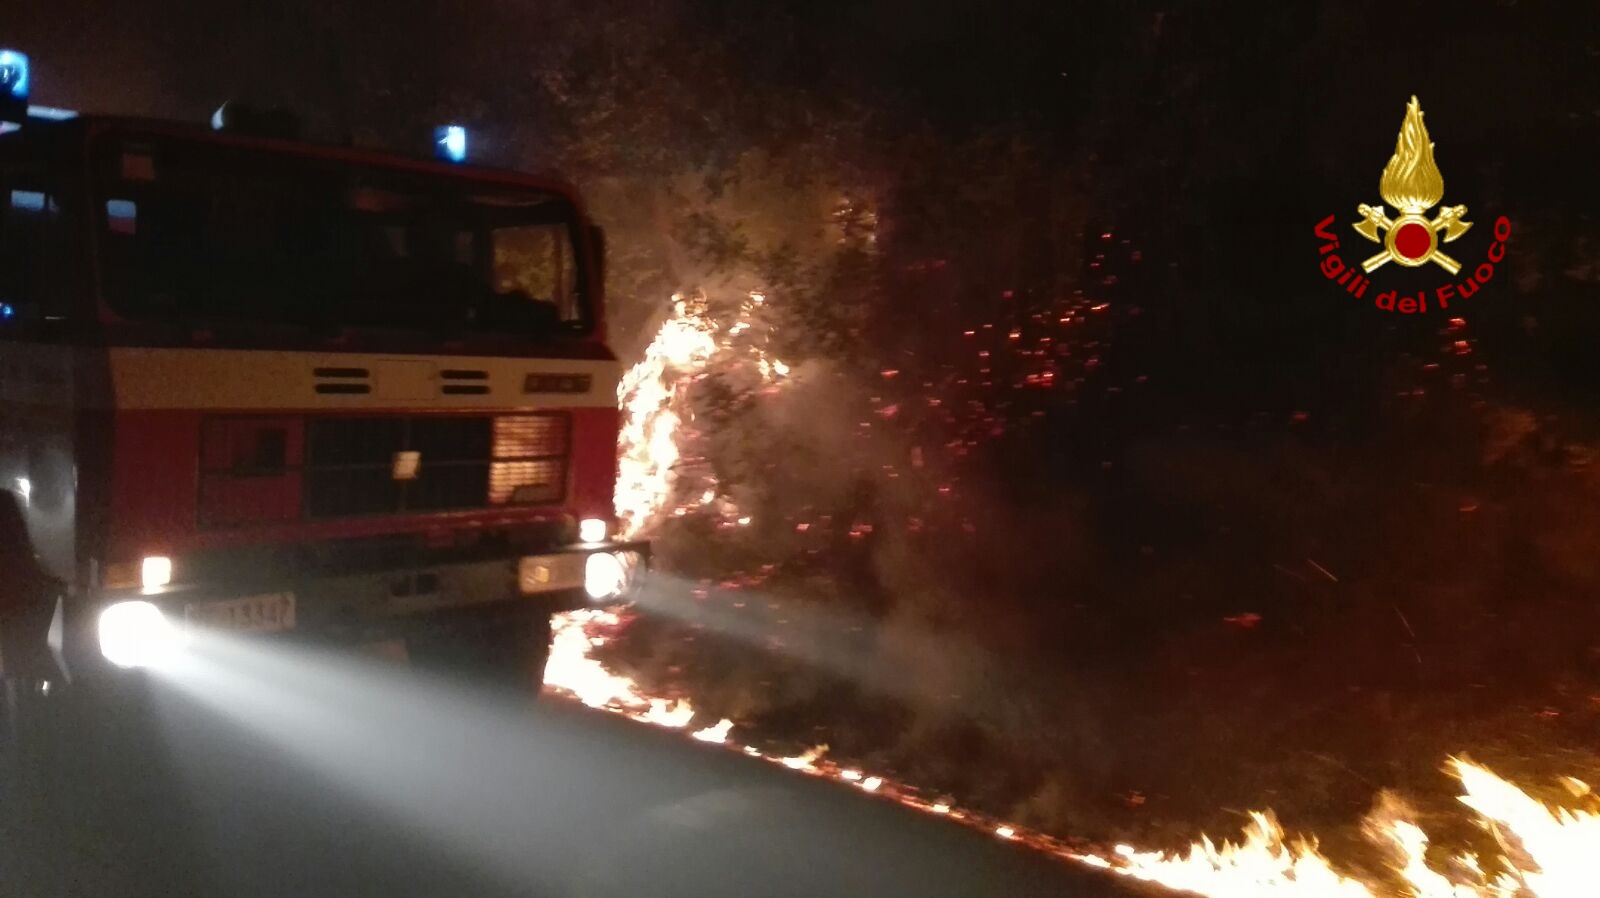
point(1411, 183)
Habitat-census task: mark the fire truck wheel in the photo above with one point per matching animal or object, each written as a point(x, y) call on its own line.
point(39, 724)
point(519, 650)
point(27, 600)
point(21, 715)
point(505, 650)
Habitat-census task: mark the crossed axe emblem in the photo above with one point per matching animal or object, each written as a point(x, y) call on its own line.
point(1403, 237)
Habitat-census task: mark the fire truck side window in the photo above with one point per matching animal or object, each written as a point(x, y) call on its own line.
point(537, 260)
point(31, 242)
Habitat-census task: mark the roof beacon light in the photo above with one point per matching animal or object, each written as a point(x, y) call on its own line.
point(13, 87)
point(14, 74)
point(450, 143)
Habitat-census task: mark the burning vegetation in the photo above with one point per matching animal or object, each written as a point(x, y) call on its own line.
point(1543, 851)
point(1087, 566)
point(1506, 843)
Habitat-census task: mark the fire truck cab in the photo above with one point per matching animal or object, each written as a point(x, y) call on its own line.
point(250, 383)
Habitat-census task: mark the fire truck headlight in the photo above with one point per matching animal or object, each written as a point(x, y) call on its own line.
point(605, 576)
point(155, 571)
point(138, 634)
point(592, 530)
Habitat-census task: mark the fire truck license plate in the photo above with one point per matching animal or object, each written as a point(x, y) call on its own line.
point(263, 613)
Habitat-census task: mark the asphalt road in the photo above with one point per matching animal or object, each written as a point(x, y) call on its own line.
point(378, 781)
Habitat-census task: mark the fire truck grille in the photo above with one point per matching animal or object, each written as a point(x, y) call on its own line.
point(423, 464)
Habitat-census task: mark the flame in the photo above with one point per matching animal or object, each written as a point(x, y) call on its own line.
point(670, 713)
point(652, 402)
point(1262, 864)
point(1411, 181)
point(717, 732)
point(654, 399)
point(1563, 845)
point(1550, 852)
point(571, 669)
point(806, 760)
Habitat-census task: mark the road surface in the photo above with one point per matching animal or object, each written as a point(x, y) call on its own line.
point(380, 781)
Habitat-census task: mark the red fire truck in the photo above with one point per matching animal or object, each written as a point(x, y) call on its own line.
point(253, 383)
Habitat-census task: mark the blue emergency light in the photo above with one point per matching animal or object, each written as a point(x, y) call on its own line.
point(13, 89)
point(450, 143)
point(14, 75)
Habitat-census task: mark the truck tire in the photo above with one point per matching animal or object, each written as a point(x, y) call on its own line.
point(519, 651)
point(28, 597)
point(27, 725)
point(29, 706)
point(507, 650)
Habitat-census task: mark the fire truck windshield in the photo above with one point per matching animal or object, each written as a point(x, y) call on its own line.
point(208, 234)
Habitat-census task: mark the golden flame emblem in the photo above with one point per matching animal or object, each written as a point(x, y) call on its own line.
point(1412, 183)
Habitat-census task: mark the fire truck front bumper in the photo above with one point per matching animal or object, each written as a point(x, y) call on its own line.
point(141, 628)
